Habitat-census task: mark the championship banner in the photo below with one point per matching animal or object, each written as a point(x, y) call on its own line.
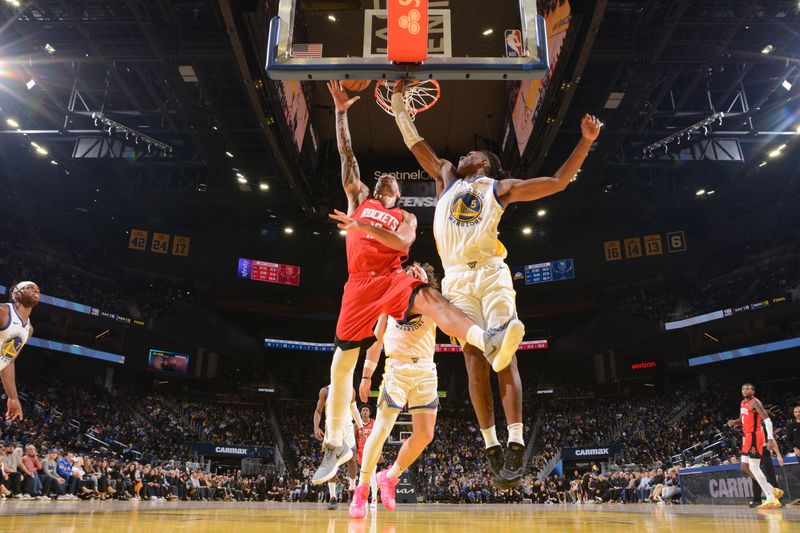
point(228, 450)
point(728, 485)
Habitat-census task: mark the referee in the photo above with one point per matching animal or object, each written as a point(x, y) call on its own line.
point(793, 432)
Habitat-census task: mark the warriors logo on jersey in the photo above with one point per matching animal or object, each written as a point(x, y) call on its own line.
point(412, 324)
point(10, 348)
point(466, 209)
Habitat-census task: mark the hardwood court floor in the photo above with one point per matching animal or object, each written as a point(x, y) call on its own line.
point(208, 517)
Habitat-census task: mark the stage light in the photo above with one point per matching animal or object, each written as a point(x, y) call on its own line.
point(768, 49)
point(30, 84)
point(239, 175)
point(541, 212)
point(41, 151)
point(798, 129)
point(13, 123)
point(775, 153)
point(787, 85)
point(49, 48)
point(242, 180)
point(343, 233)
point(700, 192)
point(709, 193)
point(288, 230)
point(488, 32)
point(331, 18)
point(762, 164)
point(263, 186)
point(229, 154)
point(527, 231)
point(54, 162)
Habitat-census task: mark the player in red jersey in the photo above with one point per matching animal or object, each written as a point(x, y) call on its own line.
point(363, 433)
point(752, 415)
point(379, 235)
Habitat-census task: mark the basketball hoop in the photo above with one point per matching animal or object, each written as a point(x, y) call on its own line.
point(419, 96)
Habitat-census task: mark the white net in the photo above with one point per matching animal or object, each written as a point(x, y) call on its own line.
point(419, 96)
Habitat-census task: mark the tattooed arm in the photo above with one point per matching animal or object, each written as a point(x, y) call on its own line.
point(351, 176)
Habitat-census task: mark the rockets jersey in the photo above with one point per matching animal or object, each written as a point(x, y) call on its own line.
point(364, 432)
point(13, 336)
point(751, 420)
point(364, 253)
point(465, 223)
point(411, 340)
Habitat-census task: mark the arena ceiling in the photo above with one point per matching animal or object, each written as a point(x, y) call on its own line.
point(190, 75)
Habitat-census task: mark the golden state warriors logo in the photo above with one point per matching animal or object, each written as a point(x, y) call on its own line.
point(10, 348)
point(466, 209)
point(412, 324)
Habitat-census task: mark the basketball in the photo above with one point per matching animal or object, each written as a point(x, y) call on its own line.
point(356, 86)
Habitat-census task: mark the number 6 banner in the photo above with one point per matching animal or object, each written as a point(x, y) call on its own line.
point(408, 31)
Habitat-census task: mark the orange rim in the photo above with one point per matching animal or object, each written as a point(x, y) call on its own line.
point(421, 95)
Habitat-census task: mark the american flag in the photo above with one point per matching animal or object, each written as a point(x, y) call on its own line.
point(307, 50)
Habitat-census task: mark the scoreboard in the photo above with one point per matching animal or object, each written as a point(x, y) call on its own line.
point(559, 270)
point(268, 272)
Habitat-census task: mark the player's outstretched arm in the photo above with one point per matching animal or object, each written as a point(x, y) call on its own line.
point(441, 170)
point(371, 361)
point(514, 190)
point(759, 408)
point(400, 240)
point(354, 189)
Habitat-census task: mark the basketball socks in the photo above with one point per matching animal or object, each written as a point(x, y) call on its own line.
point(490, 437)
point(766, 488)
point(396, 471)
point(352, 485)
point(475, 337)
point(332, 489)
point(515, 433)
point(373, 485)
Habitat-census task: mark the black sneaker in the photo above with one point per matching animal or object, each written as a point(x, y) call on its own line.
point(495, 459)
point(332, 504)
point(515, 461)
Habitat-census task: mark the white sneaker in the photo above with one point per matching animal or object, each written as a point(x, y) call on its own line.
point(25, 497)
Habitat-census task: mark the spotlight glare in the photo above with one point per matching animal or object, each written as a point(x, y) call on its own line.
point(787, 85)
point(709, 193)
point(54, 162)
point(343, 233)
point(239, 175)
point(229, 154)
point(768, 49)
point(700, 192)
point(30, 84)
point(527, 230)
point(41, 151)
point(288, 230)
point(488, 32)
point(763, 164)
point(775, 153)
point(541, 212)
point(242, 180)
point(13, 123)
point(331, 18)
point(49, 48)
point(263, 186)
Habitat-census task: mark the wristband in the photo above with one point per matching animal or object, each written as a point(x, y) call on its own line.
point(371, 365)
point(768, 425)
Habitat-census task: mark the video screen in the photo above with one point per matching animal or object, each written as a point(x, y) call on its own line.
point(168, 362)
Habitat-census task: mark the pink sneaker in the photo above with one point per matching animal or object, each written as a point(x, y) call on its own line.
point(387, 485)
point(358, 507)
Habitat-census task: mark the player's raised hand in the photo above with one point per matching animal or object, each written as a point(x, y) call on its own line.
point(590, 127)
point(345, 222)
point(400, 86)
point(341, 99)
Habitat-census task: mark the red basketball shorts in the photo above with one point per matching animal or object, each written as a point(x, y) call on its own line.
point(753, 447)
point(366, 297)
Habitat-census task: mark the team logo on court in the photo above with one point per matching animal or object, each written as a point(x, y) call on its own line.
point(412, 324)
point(466, 208)
point(10, 348)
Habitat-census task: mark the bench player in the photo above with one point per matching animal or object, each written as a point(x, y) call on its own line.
point(15, 330)
point(472, 198)
point(379, 235)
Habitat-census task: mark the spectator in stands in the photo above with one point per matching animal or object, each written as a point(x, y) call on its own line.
point(13, 476)
point(31, 483)
point(51, 481)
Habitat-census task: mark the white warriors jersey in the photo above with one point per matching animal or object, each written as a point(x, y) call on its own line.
point(412, 340)
point(13, 336)
point(465, 224)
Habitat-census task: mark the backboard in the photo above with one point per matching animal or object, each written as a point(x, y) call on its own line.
point(466, 40)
